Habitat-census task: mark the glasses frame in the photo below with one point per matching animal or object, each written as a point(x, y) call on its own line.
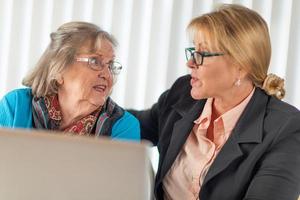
point(203, 54)
point(113, 66)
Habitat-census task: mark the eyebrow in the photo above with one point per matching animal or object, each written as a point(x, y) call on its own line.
point(96, 54)
point(110, 60)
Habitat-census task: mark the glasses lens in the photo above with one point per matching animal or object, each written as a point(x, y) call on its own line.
point(95, 63)
point(115, 67)
point(198, 58)
point(188, 54)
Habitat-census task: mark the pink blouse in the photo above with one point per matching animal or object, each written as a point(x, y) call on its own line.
point(184, 179)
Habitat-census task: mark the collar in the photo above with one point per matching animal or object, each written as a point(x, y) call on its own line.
point(231, 117)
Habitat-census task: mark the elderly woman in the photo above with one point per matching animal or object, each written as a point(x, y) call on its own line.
point(222, 132)
point(69, 88)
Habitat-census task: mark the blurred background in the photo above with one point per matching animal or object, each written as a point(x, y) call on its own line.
point(151, 36)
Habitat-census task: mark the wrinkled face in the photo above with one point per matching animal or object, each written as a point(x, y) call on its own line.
point(81, 82)
point(216, 76)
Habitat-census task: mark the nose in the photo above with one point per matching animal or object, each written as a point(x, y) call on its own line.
point(105, 73)
point(191, 64)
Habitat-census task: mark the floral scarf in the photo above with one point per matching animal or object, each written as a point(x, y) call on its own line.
point(47, 115)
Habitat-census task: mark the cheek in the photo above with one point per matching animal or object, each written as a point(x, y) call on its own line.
point(83, 84)
point(206, 78)
point(210, 81)
point(75, 78)
point(74, 85)
point(110, 82)
point(81, 87)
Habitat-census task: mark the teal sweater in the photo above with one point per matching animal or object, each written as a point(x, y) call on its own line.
point(16, 112)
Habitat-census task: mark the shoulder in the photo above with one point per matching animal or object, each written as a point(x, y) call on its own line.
point(128, 118)
point(15, 108)
point(282, 118)
point(127, 127)
point(281, 108)
point(273, 107)
point(277, 152)
point(18, 94)
point(282, 111)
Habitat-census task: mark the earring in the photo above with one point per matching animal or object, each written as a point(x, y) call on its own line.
point(238, 82)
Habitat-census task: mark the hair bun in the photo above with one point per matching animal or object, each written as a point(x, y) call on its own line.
point(274, 85)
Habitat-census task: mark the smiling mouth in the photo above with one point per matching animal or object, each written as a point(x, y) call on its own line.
point(100, 88)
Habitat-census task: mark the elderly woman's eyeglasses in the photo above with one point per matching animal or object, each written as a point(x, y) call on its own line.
point(98, 65)
point(198, 56)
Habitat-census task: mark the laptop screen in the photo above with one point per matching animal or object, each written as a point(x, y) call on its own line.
point(41, 165)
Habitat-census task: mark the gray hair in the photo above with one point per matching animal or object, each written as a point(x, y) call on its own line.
point(65, 44)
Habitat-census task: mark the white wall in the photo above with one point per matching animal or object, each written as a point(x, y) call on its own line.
point(152, 39)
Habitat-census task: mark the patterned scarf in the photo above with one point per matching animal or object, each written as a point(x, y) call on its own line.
point(47, 115)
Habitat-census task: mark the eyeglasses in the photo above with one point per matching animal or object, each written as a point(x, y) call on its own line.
point(98, 64)
point(198, 56)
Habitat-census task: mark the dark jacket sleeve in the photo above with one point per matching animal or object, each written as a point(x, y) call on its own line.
point(154, 119)
point(149, 119)
point(278, 175)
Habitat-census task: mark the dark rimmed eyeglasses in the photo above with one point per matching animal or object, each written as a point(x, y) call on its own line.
point(198, 56)
point(97, 64)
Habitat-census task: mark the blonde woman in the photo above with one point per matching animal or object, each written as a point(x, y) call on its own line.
point(222, 132)
point(69, 88)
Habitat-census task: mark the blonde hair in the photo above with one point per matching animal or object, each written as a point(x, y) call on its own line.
point(243, 35)
point(65, 43)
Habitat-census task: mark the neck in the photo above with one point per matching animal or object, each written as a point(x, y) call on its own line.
point(73, 110)
point(225, 103)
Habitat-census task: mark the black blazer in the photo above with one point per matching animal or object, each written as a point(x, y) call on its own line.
point(260, 160)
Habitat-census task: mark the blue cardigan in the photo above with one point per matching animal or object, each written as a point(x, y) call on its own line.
point(16, 112)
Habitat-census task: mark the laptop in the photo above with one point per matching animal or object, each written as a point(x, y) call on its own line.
point(37, 165)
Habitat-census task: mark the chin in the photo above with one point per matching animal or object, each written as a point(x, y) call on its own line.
point(99, 101)
point(197, 95)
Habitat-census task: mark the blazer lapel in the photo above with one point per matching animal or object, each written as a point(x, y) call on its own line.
point(181, 131)
point(249, 129)
point(227, 155)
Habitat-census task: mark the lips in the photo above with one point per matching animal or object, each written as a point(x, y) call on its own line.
point(100, 88)
point(193, 81)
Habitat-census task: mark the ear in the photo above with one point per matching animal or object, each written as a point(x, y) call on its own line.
point(243, 73)
point(60, 79)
